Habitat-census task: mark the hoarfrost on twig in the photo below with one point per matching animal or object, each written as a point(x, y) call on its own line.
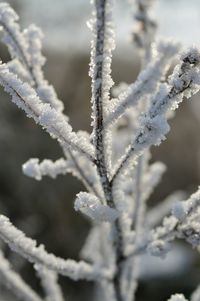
point(113, 162)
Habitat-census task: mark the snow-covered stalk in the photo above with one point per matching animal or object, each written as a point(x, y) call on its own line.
point(14, 39)
point(196, 294)
point(101, 84)
point(27, 248)
point(143, 38)
point(184, 81)
point(25, 48)
point(53, 122)
point(36, 170)
point(156, 215)
point(138, 226)
point(146, 83)
point(32, 168)
point(108, 290)
point(177, 297)
point(115, 201)
point(49, 283)
point(182, 223)
point(15, 283)
point(88, 176)
point(145, 28)
point(100, 94)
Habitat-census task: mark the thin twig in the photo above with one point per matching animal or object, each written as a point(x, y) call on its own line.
point(24, 59)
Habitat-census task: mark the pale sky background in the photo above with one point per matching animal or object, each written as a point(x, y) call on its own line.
point(64, 21)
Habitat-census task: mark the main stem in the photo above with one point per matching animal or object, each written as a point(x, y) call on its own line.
point(98, 82)
point(98, 101)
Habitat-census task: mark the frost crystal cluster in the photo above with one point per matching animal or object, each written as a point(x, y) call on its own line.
point(113, 164)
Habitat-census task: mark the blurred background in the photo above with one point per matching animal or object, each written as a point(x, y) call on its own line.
point(44, 210)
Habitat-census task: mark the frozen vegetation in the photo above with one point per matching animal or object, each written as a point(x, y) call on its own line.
point(114, 167)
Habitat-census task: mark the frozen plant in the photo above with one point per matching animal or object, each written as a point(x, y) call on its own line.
point(112, 161)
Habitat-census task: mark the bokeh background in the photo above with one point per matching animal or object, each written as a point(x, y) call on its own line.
point(44, 210)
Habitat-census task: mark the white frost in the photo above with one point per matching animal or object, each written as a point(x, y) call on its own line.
point(92, 207)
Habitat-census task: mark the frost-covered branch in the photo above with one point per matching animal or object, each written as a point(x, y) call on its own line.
point(49, 283)
point(25, 49)
point(27, 248)
point(13, 37)
point(53, 122)
point(196, 294)
point(177, 297)
point(45, 91)
point(145, 27)
point(15, 283)
point(182, 223)
point(91, 206)
point(157, 213)
point(86, 173)
point(108, 290)
point(101, 83)
point(123, 130)
point(152, 178)
point(79, 168)
point(184, 81)
point(36, 170)
point(146, 83)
